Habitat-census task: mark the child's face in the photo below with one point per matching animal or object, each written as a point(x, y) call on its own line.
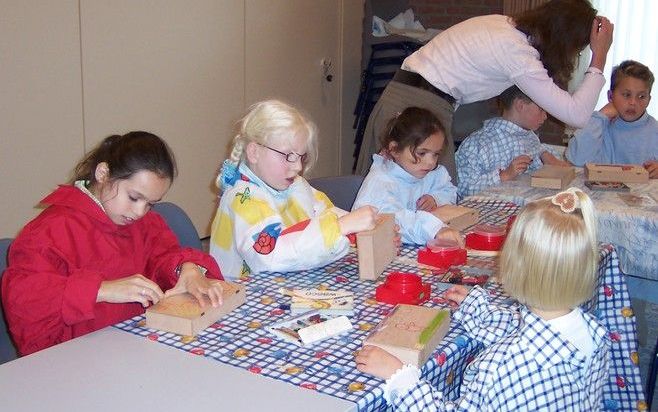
point(126, 201)
point(269, 162)
point(531, 116)
point(631, 98)
point(427, 154)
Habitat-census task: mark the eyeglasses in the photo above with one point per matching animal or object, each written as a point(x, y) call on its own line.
point(291, 157)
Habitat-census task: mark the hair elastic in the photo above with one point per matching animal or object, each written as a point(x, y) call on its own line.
point(567, 200)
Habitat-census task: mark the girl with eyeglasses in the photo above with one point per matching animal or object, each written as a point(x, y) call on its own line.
point(269, 217)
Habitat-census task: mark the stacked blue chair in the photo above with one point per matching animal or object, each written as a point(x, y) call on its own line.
point(385, 59)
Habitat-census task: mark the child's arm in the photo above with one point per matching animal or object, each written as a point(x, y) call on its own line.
point(477, 169)
point(440, 187)
point(483, 321)
point(177, 269)
point(549, 158)
point(405, 391)
point(307, 235)
point(517, 166)
point(588, 144)
point(43, 291)
point(416, 226)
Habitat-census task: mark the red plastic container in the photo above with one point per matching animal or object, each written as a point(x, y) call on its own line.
point(406, 288)
point(486, 237)
point(442, 253)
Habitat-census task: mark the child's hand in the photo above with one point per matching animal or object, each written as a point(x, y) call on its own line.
point(426, 203)
point(359, 220)
point(377, 362)
point(135, 288)
point(456, 294)
point(652, 168)
point(609, 111)
point(450, 234)
point(518, 165)
point(191, 280)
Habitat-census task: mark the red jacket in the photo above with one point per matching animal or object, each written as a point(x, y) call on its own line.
point(58, 261)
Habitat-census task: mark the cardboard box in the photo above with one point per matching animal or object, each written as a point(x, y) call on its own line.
point(309, 327)
point(375, 248)
point(411, 333)
point(616, 173)
point(183, 315)
point(325, 302)
point(457, 217)
point(553, 177)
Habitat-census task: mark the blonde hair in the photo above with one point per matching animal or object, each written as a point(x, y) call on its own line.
point(550, 257)
point(271, 121)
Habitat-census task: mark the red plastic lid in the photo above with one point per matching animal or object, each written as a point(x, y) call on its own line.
point(489, 230)
point(442, 245)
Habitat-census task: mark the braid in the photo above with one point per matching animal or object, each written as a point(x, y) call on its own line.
point(237, 150)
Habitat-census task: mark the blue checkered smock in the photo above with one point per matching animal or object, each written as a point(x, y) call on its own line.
point(532, 369)
point(493, 147)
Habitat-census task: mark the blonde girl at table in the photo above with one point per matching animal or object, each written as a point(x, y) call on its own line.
point(269, 217)
point(407, 179)
point(97, 254)
point(545, 355)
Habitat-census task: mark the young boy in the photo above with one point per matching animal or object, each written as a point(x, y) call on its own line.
point(504, 147)
point(622, 131)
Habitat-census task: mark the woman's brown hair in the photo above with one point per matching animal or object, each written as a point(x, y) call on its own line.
point(559, 30)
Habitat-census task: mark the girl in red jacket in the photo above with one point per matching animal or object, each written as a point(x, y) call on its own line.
point(97, 255)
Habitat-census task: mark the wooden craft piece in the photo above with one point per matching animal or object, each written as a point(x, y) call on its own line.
point(375, 248)
point(183, 315)
point(553, 177)
point(457, 217)
point(616, 173)
point(411, 333)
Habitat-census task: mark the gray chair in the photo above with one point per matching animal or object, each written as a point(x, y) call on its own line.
point(341, 190)
point(179, 223)
point(7, 349)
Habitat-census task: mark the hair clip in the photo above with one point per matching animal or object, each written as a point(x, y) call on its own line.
point(397, 114)
point(567, 200)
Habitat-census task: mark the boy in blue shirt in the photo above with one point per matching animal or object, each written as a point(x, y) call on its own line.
point(505, 146)
point(622, 132)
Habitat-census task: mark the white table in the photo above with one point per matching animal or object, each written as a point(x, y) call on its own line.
point(110, 370)
point(632, 229)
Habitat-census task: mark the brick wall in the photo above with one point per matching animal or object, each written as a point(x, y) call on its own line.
point(441, 14)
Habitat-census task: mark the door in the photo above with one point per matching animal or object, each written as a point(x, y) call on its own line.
point(286, 43)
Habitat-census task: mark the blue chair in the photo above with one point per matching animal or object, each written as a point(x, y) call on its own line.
point(7, 349)
point(341, 190)
point(179, 223)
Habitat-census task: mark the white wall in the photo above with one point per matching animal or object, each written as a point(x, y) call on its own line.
point(73, 72)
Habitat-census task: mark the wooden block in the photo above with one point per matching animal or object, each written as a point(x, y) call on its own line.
point(457, 217)
point(616, 173)
point(183, 315)
point(553, 177)
point(411, 333)
point(375, 248)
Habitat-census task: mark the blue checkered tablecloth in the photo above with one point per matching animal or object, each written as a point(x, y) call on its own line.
point(240, 338)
